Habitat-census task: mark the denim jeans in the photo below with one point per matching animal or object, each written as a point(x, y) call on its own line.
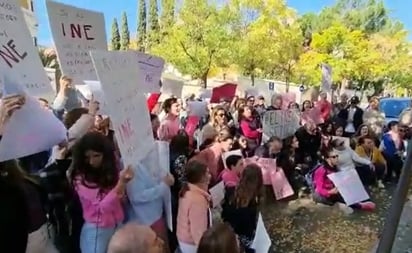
point(94, 239)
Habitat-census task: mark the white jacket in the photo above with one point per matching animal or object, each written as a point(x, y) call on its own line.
point(348, 159)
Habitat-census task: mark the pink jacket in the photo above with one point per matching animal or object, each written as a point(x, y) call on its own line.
point(230, 178)
point(169, 127)
point(103, 209)
point(325, 108)
point(321, 181)
point(211, 157)
point(193, 215)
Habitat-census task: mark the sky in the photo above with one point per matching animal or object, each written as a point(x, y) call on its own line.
point(399, 9)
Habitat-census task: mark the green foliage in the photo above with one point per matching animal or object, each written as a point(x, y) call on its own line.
point(154, 28)
point(168, 14)
point(125, 41)
point(115, 40)
point(198, 40)
point(142, 26)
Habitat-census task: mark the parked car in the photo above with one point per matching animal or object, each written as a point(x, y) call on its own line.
point(393, 107)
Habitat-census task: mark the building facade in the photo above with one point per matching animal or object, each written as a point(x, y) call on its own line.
point(30, 17)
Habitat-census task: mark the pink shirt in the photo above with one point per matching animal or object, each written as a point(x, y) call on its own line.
point(103, 209)
point(211, 157)
point(169, 127)
point(193, 215)
point(322, 182)
point(230, 178)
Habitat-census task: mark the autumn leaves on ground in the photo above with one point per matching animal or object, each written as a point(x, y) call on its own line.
point(304, 227)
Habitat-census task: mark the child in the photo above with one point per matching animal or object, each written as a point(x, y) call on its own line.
point(231, 174)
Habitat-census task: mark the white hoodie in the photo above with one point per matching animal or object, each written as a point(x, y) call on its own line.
point(348, 159)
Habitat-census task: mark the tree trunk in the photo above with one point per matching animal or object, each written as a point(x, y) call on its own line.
point(287, 84)
point(203, 79)
point(252, 78)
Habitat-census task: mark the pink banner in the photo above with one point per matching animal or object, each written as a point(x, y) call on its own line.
point(311, 115)
point(280, 184)
point(288, 98)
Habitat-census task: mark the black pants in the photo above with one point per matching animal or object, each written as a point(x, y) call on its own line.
point(368, 176)
point(394, 164)
point(333, 199)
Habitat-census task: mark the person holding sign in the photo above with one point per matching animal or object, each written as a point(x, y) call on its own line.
point(96, 179)
point(326, 192)
point(8, 105)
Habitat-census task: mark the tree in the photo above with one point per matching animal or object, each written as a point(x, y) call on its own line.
point(154, 24)
point(115, 41)
point(125, 41)
point(141, 27)
point(168, 15)
point(196, 42)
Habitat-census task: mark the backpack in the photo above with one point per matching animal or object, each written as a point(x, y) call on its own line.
point(309, 177)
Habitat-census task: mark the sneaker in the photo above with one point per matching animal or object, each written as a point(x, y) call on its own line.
point(381, 185)
point(368, 206)
point(345, 209)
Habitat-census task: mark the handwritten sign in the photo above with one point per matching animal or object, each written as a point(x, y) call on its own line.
point(261, 243)
point(282, 123)
point(76, 32)
point(349, 186)
point(31, 129)
point(150, 68)
point(217, 193)
point(164, 156)
point(120, 78)
point(18, 56)
point(267, 165)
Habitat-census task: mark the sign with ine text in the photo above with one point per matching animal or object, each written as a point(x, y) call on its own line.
point(118, 74)
point(18, 56)
point(76, 32)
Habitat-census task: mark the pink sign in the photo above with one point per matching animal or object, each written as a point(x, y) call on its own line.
point(288, 98)
point(312, 115)
point(280, 184)
point(265, 164)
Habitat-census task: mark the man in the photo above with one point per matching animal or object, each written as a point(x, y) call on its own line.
point(134, 238)
point(276, 103)
point(351, 117)
point(309, 143)
point(260, 106)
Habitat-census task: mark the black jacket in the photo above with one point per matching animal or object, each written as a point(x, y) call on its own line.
point(357, 117)
point(309, 146)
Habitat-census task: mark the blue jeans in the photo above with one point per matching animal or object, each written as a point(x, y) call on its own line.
point(94, 239)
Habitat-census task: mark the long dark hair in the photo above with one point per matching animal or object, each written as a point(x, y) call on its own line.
point(179, 145)
point(194, 173)
point(104, 177)
point(218, 239)
point(250, 186)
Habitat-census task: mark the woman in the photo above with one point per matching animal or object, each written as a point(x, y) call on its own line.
point(219, 239)
point(392, 148)
point(293, 106)
point(326, 192)
point(339, 130)
point(179, 155)
point(349, 159)
point(240, 142)
point(241, 102)
point(193, 217)
point(217, 122)
point(170, 125)
point(95, 177)
point(307, 105)
point(212, 155)
point(250, 128)
point(364, 130)
point(241, 206)
point(374, 117)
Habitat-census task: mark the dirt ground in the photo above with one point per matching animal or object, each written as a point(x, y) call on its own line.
point(301, 226)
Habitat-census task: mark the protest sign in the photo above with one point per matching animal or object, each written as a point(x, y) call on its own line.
point(150, 68)
point(217, 193)
point(197, 108)
point(75, 32)
point(287, 99)
point(224, 92)
point(349, 186)
point(261, 243)
point(172, 87)
point(281, 123)
point(31, 129)
point(164, 156)
point(121, 82)
point(18, 56)
point(280, 184)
